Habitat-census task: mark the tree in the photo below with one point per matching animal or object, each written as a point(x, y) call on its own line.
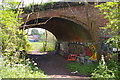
point(34, 32)
point(46, 41)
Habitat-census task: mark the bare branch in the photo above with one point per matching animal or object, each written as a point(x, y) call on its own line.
point(37, 24)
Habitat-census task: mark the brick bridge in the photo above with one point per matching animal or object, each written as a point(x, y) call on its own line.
point(67, 21)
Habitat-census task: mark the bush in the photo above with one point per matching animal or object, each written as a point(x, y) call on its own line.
point(83, 69)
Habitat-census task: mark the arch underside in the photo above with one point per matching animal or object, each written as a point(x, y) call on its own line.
point(63, 29)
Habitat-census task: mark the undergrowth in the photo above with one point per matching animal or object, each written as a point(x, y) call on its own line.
point(27, 70)
point(106, 69)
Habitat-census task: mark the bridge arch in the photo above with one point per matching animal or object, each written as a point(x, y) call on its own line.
point(63, 29)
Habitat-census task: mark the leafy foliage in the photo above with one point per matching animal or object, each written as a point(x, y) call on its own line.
point(102, 70)
point(13, 39)
point(113, 64)
point(111, 11)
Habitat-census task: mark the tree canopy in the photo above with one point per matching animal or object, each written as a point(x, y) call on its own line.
point(34, 32)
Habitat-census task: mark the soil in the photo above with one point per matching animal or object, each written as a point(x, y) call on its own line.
point(53, 65)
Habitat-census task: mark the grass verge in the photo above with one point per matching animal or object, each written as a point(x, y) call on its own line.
point(82, 69)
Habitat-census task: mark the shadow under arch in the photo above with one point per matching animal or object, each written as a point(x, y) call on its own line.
point(62, 29)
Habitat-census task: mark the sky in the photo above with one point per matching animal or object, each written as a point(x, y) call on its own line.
point(26, 2)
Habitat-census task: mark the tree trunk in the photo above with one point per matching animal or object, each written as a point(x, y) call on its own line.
point(45, 44)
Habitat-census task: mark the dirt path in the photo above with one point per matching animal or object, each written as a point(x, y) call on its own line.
point(54, 66)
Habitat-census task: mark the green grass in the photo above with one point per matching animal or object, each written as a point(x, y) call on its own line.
point(83, 69)
point(50, 47)
point(36, 45)
point(39, 45)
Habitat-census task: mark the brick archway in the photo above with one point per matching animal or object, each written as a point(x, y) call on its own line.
point(63, 29)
